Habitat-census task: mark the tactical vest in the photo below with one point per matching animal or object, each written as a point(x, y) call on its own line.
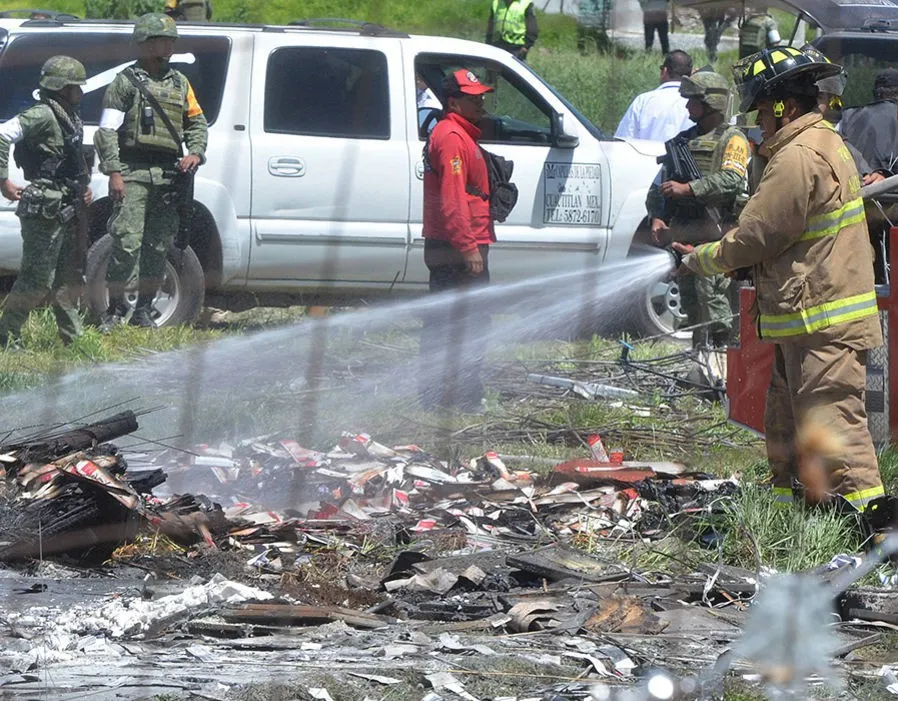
point(192, 11)
point(704, 150)
point(753, 34)
point(136, 134)
point(707, 150)
point(58, 157)
point(510, 21)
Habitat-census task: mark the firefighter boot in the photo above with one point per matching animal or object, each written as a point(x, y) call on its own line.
point(880, 519)
point(143, 312)
point(114, 315)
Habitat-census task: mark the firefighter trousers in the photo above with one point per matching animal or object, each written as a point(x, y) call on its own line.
point(824, 385)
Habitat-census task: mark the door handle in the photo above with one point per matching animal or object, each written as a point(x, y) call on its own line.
point(287, 166)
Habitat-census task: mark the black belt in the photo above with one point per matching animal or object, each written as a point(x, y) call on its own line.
point(129, 155)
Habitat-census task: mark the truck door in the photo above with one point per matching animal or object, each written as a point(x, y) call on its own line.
point(330, 164)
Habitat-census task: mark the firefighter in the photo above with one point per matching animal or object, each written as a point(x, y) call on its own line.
point(679, 210)
point(804, 236)
point(458, 232)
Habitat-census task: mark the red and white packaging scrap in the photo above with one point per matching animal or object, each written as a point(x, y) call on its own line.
point(360, 480)
point(597, 448)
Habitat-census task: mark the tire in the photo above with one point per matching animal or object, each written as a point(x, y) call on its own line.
point(179, 301)
point(659, 311)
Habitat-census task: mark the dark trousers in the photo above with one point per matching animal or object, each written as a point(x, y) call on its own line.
point(454, 330)
point(514, 49)
point(715, 24)
point(651, 24)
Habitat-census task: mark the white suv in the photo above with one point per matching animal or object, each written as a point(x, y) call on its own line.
point(314, 172)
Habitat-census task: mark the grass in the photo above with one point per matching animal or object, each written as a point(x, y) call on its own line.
point(44, 356)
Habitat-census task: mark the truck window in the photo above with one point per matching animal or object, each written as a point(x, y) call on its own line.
point(515, 113)
point(317, 91)
point(204, 60)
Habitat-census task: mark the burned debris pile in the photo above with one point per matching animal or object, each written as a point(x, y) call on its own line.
point(72, 494)
point(386, 555)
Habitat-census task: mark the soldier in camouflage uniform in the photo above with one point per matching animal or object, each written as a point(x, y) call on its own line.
point(142, 159)
point(189, 10)
point(678, 211)
point(756, 32)
point(49, 150)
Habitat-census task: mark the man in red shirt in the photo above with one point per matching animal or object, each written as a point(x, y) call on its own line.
point(457, 233)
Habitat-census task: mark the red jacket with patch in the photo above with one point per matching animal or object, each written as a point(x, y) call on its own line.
point(450, 212)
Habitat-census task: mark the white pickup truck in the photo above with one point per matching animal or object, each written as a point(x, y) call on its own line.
point(314, 172)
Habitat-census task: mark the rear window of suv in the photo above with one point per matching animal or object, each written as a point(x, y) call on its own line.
point(203, 60)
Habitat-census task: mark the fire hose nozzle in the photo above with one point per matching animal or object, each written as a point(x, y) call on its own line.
point(676, 256)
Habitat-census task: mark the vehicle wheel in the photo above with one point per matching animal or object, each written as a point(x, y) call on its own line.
point(180, 299)
point(659, 310)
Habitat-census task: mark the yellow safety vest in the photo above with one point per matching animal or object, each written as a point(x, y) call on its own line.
point(510, 25)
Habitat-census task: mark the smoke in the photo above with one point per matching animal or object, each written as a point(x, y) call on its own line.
point(349, 371)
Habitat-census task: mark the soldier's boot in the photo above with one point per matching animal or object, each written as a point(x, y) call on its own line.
point(10, 343)
point(114, 315)
point(143, 312)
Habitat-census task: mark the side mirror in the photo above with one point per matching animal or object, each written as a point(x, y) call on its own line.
point(563, 137)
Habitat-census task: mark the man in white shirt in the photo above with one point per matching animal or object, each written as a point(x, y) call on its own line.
point(660, 114)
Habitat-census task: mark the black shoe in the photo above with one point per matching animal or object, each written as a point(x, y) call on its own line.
point(110, 319)
point(143, 318)
point(114, 315)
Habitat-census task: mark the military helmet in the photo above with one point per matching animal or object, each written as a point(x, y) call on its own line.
point(59, 71)
point(709, 87)
point(154, 24)
point(782, 72)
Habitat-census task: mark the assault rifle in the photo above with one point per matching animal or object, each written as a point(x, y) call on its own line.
point(680, 166)
point(184, 198)
point(78, 162)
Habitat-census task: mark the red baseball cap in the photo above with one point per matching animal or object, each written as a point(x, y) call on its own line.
point(464, 82)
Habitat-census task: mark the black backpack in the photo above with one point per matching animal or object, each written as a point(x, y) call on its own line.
point(503, 193)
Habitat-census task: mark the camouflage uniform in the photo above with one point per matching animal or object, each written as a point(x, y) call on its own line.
point(722, 157)
point(143, 224)
point(757, 32)
point(189, 10)
point(49, 268)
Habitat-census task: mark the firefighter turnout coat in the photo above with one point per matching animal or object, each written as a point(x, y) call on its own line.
point(805, 238)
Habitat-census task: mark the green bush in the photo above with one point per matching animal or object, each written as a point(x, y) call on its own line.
point(119, 9)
